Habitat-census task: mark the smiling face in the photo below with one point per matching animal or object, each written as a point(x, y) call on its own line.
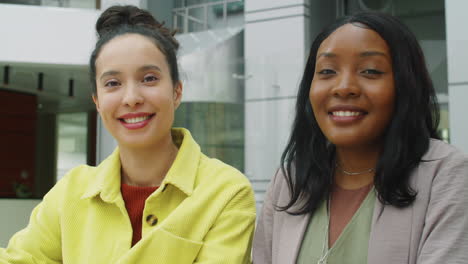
point(136, 96)
point(352, 92)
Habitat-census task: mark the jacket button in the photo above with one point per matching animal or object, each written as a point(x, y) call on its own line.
point(152, 220)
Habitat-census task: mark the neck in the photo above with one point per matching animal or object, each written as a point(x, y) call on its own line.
point(360, 161)
point(147, 166)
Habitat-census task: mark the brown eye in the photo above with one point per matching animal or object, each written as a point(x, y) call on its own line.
point(372, 72)
point(326, 72)
point(112, 84)
point(150, 78)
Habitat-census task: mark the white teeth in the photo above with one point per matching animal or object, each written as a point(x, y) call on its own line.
point(346, 113)
point(136, 119)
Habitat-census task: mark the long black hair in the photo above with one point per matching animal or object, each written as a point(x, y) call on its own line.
point(308, 159)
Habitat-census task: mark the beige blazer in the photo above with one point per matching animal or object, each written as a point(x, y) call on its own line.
point(433, 230)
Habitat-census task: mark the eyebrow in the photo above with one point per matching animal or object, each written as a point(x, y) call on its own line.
point(109, 73)
point(327, 55)
point(150, 67)
point(143, 68)
point(372, 53)
point(362, 54)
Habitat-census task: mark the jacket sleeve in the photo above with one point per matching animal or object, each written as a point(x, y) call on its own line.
point(445, 234)
point(262, 244)
point(229, 241)
point(39, 242)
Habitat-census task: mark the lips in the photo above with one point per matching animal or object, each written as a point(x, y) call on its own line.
point(346, 114)
point(136, 120)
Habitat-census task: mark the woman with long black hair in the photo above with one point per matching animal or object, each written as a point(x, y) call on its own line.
point(364, 177)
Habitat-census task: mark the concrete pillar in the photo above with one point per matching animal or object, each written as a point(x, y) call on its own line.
point(457, 57)
point(276, 43)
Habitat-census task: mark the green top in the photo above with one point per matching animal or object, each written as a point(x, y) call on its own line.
point(352, 244)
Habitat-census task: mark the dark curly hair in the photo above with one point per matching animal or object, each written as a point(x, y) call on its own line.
point(120, 20)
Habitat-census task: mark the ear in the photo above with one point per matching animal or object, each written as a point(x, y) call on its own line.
point(96, 102)
point(177, 94)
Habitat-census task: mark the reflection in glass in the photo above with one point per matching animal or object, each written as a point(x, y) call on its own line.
point(72, 141)
point(217, 127)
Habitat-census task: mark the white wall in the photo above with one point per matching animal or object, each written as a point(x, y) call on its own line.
point(15, 216)
point(46, 35)
point(457, 58)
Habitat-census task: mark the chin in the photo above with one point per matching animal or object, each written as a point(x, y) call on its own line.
point(354, 143)
point(133, 143)
point(136, 141)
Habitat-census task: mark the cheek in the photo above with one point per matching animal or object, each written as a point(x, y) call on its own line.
point(316, 96)
point(387, 99)
point(162, 100)
point(107, 104)
point(385, 106)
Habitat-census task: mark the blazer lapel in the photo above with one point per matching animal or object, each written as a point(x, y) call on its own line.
point(290, 238)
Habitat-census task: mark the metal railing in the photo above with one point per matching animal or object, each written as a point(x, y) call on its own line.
point(184, 13)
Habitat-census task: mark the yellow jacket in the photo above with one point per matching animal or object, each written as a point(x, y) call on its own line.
point(203, 212)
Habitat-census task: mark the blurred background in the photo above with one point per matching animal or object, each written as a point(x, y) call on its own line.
point(240, 61)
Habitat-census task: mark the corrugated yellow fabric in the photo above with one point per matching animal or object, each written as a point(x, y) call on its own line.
point(205, 212)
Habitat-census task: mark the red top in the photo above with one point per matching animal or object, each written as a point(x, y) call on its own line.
point(134, 198)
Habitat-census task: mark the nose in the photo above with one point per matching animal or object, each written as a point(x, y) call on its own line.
point(132, 95)
point(347, 86)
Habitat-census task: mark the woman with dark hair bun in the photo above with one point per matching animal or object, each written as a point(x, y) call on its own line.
point(157, 198)
point(364, 177)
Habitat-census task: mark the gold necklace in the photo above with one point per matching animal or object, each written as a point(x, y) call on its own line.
point(354, 173)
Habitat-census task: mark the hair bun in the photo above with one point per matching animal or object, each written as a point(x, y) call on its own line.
point(117, 16)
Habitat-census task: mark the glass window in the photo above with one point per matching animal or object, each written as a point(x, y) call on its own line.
point(217, 127)
point(89, 4)
point(72, 141)
point(200, 15)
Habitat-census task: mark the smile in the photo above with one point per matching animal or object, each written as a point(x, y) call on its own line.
point(346, 113)
point(136, 119)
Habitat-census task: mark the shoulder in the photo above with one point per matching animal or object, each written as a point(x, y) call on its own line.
point(222, 187)
point(440, 150)
point(278, 193)
point(279, 182)
point(443, 157)
point(77, 180)
point(218, 172)
point(443, 167)
point(86, 181)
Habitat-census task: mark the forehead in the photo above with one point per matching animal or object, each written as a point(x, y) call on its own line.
point(130, 50)
point(351, 38)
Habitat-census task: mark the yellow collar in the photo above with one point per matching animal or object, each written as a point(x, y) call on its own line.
point(181, 174)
